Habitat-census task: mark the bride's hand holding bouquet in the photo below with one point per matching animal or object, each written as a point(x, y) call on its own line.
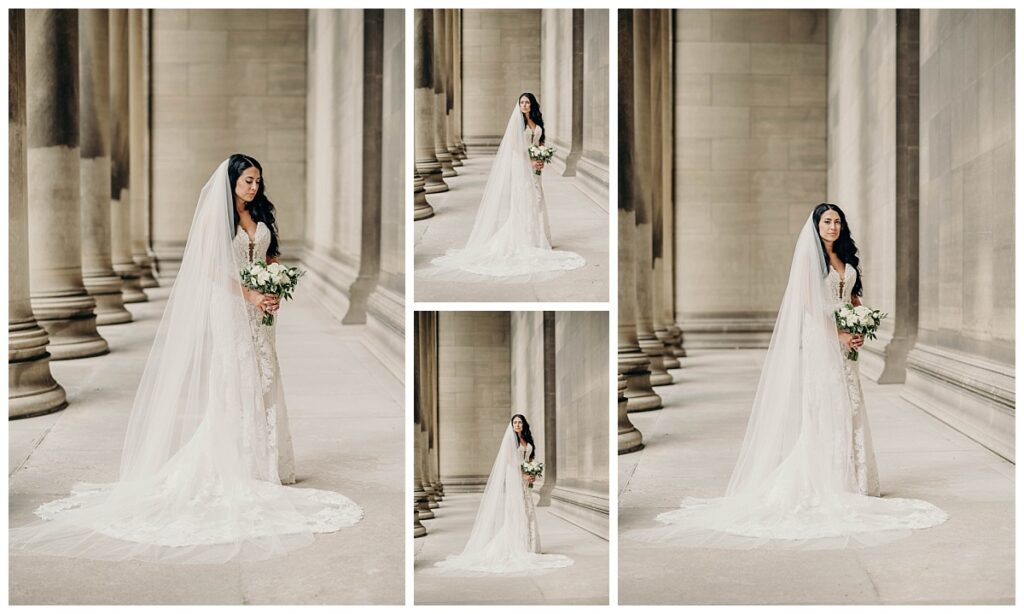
point(275, 281)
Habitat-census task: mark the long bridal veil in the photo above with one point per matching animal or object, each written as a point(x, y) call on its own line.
point(508, 239)
point(499, 541)
point(198, 480)
point(794, 485)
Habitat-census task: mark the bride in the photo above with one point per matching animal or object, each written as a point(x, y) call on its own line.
point(207, 447)
point(806, 475)
point(505, 538)
point(511, 237)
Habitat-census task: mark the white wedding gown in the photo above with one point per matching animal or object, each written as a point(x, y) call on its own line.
point(806, 475)
point(207, 445)
point(511, 236)
point(505, 538)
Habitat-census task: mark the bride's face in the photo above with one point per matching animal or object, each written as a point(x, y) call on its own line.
point(517, 425)
point(248, 184)
point(524, 105)
point(829, 226)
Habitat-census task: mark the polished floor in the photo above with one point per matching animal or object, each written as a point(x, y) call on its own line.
point(348, 430)
point(584, 582)
point(691, 446)
point(578, 224)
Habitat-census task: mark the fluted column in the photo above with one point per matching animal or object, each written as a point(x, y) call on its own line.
point(449, 81)
point(661, 182)
point(673, 345)
point(94, 167)
point(59, 299)
point(120, 203)
point(440, 114)
point(633, 363)
point(138, 137)
point(643, 262)
point(426, 162)
point(630, 438)
point(31, 389)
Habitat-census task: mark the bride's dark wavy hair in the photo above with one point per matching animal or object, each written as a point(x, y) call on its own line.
point(535, 114)
point(261, 209)
point(844, 247)
point(527, 435)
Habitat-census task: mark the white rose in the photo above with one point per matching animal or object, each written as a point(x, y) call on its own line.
point(276, 268)
point(262, 276)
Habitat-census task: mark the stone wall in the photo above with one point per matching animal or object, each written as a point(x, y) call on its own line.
point(581, 388)
point(527, 374)
point(500, 60)
point(750, 121)
point(226, 81)
point(354, 234)
point(962, 367)
point(474, 397)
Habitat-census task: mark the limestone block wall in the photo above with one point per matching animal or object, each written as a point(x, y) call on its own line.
point(593, 165)
point(582, 389)
point(500, 60)
point(750, 163)
point(226, 81)
point(862, 150)
point(474, 394)
point(962, 367)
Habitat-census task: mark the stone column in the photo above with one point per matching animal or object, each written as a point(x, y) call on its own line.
point(421, 209)
point(449, 79)
point(457, 82)
point(630, 438)
point(59, 299)
point(440, 114)
point(31, 389)
point(94, 167)
point(550, 478)
point(572, 157)
point(138, 130)
point(120, 204)
point(644, 206)
point(633, 363)
point(427, 165)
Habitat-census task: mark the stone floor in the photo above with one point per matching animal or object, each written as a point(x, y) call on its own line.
point(578, 224)
point(691, 446)
point(346, 413)
point(584, 582)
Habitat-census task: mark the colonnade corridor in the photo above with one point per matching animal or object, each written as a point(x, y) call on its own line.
point(583, 582)
point(690, 449)
point(578, 224)
point(346, 415)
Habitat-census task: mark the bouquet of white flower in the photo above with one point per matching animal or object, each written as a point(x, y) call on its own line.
point(274, 278)
point(532, 468)
point(542, 153)
point(858, 320)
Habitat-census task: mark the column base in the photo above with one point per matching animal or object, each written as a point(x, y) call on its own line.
point(640, 396)
point(970, 394)
point(70, 324)
point(668, 357)
point(31, 389)
point(107, 292)
point(655, 352)
point(584, 505)
point(422, 211)
point(131, 291)
point(146, 277)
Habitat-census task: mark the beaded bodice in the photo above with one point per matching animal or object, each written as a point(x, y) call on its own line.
point(841, 288)
point(247, 250)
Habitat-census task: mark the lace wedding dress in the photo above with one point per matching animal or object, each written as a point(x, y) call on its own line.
point(207, 443)
point(865, 470)
point(511, 236)
point(531, 506)
point(246, 250)
point(505, 538)
point(806, 473)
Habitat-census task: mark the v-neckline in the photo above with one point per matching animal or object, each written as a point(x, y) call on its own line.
point(251, 237)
